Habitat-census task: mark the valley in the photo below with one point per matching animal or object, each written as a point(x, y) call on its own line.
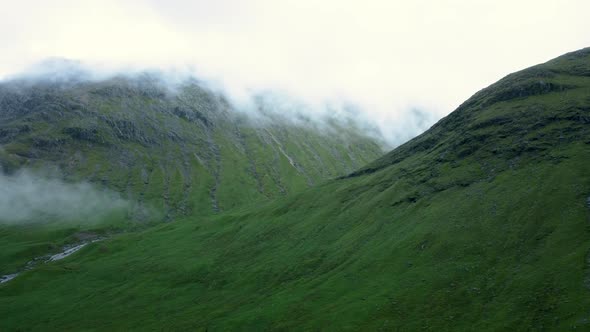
point(479, 223)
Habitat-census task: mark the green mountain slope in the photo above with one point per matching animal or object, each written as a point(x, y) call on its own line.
point(481, 223)
point(169, 149)
point(183, 151)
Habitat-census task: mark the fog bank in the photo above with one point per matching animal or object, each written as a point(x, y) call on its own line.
point(27, 196)
point(388, 125)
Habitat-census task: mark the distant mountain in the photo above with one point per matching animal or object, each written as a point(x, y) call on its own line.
point(181, 149)
point(479, 224)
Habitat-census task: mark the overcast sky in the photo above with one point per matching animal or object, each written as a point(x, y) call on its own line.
point(388, 55)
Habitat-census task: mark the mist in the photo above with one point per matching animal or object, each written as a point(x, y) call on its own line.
point(388, 128)
point(33, 197)
point(404, 65)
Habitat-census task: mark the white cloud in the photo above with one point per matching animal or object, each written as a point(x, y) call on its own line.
point(389, 56)
point(30, 197)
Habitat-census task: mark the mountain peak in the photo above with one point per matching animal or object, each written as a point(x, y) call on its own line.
point(522, 102)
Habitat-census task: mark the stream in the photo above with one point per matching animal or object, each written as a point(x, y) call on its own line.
point(66, 251)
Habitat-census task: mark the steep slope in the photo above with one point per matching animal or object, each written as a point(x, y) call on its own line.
point(183, 151)
point(481, 223)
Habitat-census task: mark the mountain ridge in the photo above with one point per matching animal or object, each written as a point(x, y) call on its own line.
point(535, 80)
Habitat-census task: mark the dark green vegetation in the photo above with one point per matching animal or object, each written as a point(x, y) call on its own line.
point(481, 223)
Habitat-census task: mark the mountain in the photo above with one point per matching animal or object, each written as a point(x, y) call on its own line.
point(180, 148)
point(169, 148)
point(480, 223)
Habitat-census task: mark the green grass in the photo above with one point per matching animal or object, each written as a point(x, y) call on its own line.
point(481, 223)
point(507, 253)
point(22, 242)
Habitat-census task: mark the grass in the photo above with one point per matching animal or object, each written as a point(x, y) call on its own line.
point(509, 253)
point(481, 223)
point(20, 243)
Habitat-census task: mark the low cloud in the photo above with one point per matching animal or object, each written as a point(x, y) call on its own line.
point(27, 196)
point(389, 56)
point(387, 124)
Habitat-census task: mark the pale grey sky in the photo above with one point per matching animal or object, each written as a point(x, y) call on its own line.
point(387, 55)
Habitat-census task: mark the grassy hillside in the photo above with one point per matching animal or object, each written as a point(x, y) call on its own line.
point(481, 223)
